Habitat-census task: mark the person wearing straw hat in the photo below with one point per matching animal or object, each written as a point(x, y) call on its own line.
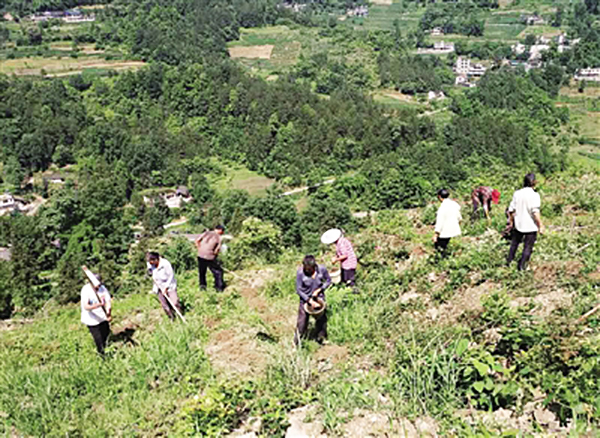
point(165, 283)
point(96, 313)
point(345, 255)
point(311, 282)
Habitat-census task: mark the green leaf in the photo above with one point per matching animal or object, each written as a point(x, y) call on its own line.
point(478, 386)
point(461, 347)
point(482, 368)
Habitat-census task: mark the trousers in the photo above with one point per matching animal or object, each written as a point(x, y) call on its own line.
point(165, 304)
point(441, 246)
point(100, 334)
point(217, 272)
point(302, 325)
point(518, 237)
point(348, 277)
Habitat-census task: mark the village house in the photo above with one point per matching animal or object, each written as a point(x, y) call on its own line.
point(69, 16)
point(8, 204)
point(532, 20)
point(360, 11)
point(436, 95)
point(588, 74)
point(5, 254)
point(462, 81)
point(437, 31)
point(173, 199)
point(463, 66)
point(55, 178)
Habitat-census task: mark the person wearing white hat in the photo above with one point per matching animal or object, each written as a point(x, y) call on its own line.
point(345, 255)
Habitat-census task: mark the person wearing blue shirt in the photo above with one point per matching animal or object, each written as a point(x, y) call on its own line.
point(311, 282)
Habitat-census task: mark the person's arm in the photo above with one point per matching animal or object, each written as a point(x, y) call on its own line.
point(218, 247)
point(511, 212)
point(438, 224)
point(299, 287)
point(85, 299)
point(537, 217)
point(200, 238)
point(170, 274)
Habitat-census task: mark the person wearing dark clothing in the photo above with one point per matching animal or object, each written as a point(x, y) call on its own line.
point(311, 282)
point(209, 245)
point(525, 221)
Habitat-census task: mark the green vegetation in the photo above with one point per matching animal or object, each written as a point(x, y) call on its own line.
point(239, 101)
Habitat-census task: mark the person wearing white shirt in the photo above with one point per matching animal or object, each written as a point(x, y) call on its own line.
point(447, 223)
point(526, 221)
point(164, 282)
point(96, 313)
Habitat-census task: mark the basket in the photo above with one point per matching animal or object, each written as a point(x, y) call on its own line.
point(315, 312)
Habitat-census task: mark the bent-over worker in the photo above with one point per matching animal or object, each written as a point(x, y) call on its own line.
point(96, 313)
point(312, 280)
point(447, 223)
point(345, 255)
point(209, 246)
point(165, 283)
point(526, 221)
point(484, 196)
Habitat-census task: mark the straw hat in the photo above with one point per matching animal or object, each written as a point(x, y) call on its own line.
point(315, 311)
point(331, 236)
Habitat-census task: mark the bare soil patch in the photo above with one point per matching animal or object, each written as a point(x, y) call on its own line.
point(466, 301)
point(236, 352)
point(252, 52)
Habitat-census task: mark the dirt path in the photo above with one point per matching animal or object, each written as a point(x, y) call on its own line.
point(244, 347)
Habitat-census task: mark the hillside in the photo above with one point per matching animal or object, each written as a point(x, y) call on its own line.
point(453, 348)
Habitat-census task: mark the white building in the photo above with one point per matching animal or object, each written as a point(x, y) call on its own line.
point(436, 95)
point(464, 67)
point(437, 31)
point(443, 46)
point(462, 81)
point(588, 74)
point(7, 201)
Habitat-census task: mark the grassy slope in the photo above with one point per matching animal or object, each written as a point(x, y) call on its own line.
point(234, 358)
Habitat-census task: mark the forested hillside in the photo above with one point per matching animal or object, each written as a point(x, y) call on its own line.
point(326, 116)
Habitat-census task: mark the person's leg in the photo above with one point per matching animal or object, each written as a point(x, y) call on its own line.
point(165, 305)
point(475, 200)
point(97, 336)
point(514, 245)
point(301, 325)
point(217, 272)
point(105, 333)
point(175, 299)
point(321, 327)
point(349, 277)
point(441, 246)
point(529, 241)
point(202, 265)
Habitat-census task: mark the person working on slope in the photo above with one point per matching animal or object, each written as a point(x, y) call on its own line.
point(484, 196)
point(96, 313)
point(525, 220)
point(209, 245)
point(312, 280)
point(447, 224)
point(165, 283)
point(344, 255)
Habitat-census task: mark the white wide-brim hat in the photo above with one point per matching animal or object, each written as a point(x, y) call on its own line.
point(331, 236)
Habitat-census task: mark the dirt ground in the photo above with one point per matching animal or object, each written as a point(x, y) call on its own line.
point(252, 52)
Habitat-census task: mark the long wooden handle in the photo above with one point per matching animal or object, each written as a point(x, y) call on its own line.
point(170, 302)
point(587, 315)
point(85, 271)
